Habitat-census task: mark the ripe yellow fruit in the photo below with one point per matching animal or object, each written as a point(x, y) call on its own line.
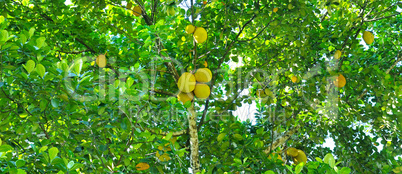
point(190, 29)
point(203, 75)
point(294, 79)
point(368, 37)
point(137, 11)
point(186, 82)
point(185, 97)
point(202, 91)
point(340, 81)
point(200, 35)
point(101, 61)
point(275, 9)
point(142, 166)
point(291, 151)
point(301, 157)
point(337, 54)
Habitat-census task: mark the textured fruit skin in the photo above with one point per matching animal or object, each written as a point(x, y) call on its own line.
point(301, 157)
point(368, 37)
point(202, 91)
point(340, 81)
point(292, 152)
point(137, 11)
point(294, 79)
point(190, 29)
point(337, 54)
point(200, 35)
point(203, 75)
point(101, 61)
point(184, 97)
point(186, 82)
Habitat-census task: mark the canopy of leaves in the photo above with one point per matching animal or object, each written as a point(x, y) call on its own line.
point(61, 113)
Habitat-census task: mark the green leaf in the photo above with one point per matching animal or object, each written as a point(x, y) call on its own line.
point(220, 137)
point(318, 159)
point(269, 172)
point(238, 137)
point(40, 41)
point(1, 19)
point(41, 70)
point(70, 164)
point(76, 166)
point(299, 168)
point(5, 148)
point(129, 82)
point(31, 32)
point(20, 171)
point(168, 136)
point(42, 149)
point(328, 157)
point(345, 170)
point(53, 153)
point(4, 35)
point(30, 66)
point(20, 163)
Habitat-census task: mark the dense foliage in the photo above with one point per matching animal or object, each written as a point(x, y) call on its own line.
point(61, 113)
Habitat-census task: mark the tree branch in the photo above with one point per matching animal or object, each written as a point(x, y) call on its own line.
point(73, 52)
point(376, 19)
point(281, 139)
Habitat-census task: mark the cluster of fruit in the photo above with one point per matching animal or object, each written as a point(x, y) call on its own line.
point(200, 34)
point(297, 155)
point(194, 84)
point(340, 81)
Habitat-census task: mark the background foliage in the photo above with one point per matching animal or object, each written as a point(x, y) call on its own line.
point(60, 113)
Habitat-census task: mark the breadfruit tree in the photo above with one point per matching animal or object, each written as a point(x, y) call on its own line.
point(157, 86)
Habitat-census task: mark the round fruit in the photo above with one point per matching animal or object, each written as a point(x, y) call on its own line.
point(202, 91)
point(190, 29)
point(204, 2)
point(200, 35)
point(186, 82)
point(301, 157)
point(184, 97)
point(203, 75)
point(368, 37)
point(137, 11)
point(171, 11)
point(337, 54)
point(275, 9)
point(340, 81)
point(292, 152)
point(101, 61)
point(294, 79)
